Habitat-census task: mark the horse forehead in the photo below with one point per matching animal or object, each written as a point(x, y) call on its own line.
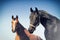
point(14, 21)
point(33, 14)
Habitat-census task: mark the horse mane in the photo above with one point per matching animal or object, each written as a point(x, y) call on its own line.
point(20, 31)
point(47, 14)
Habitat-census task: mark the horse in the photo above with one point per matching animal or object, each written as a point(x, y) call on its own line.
point(49, 22)
point(21, 32)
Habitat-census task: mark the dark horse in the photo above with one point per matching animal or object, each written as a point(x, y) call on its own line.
point(21, 32)
point(49, 22)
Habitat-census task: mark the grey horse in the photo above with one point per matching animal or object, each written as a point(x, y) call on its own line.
point(49, 22)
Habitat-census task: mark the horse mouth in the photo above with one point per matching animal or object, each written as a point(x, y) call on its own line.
point(31, 30)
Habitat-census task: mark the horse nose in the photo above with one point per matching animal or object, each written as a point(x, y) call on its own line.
point(12, 30)
point(30, 31)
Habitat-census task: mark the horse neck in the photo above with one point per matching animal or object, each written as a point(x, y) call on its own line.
point(43, 17)
point(27, 32)
point(22, 31)
point(19, 28)
point(43, 21)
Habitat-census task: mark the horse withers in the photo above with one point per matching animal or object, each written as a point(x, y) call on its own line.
point(21, 32)
point(49, 22)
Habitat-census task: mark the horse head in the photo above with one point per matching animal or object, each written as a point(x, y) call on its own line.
point(34, 19)
point(14, 23)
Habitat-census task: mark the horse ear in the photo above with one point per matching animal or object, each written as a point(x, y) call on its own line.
point(31, 9)
point(12, 16)
point(36, 9)
point(16, 16)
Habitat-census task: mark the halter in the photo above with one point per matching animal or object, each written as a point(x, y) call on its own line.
point(32, 26)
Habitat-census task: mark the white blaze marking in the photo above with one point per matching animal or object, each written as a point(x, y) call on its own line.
point(14, 24)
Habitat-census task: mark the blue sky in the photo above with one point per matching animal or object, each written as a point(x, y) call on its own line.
point(22, 9)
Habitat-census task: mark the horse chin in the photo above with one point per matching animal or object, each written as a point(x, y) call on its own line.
point(31, 31)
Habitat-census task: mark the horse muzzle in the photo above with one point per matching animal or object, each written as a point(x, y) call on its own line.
point(31, 30)
point(13, 31)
